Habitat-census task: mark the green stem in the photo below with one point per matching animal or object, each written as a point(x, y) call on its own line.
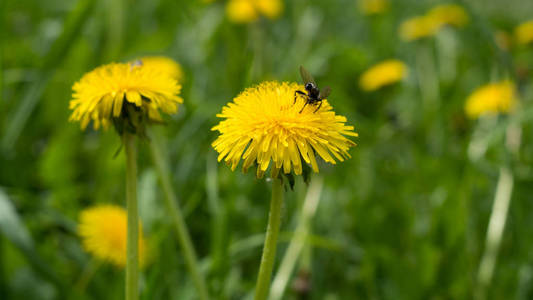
point(497, 222)
point(271, 239)
point(182, 232)
point(88, 273)
point(298, 240)
point(132, 260)
point(498, 216)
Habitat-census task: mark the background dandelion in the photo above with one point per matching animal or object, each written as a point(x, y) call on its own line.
point(415, 198)
point(524, 33)
point(493, 98)
point(103, 232)
point(383, 74)
point(246, 11)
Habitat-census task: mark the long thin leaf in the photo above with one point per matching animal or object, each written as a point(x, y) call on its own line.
point(16, 232)
point(58, 51)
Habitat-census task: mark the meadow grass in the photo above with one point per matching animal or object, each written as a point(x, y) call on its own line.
point(433, 203)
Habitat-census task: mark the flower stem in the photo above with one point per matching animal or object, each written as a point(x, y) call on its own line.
point(87, 275)
point(497, 222)
point(182, 232)
point(269, 249)
point(298, 240)
point(498, 216)
point(132, 260)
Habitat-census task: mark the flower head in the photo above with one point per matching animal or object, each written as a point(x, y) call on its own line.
point(123, 92)
point(418, 27)
point(247, 11)
point(263, 124)
point(434, 20)
point(524, 33)
point(165, 65)
point(269, 8)
point(448, 14)
point(373, 7)
point(491, 98)
point(103, 230)
point(382, 74)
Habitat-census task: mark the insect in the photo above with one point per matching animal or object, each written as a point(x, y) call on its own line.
point(314, 95)
point(136, 63)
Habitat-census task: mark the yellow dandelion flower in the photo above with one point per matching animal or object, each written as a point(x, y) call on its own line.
point(382, 74)
point(524, 33)
point(241, 11)
point(498, 97)
point(269, 8)
point(247, 11)
point(429, 24)
point(373, 7)
point(114, 91)
point(418, 27)
point(164, 64)
point(448, 14)
point(263, 124)
point(103, 230)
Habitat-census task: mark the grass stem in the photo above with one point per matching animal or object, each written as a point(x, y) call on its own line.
point(180, 226)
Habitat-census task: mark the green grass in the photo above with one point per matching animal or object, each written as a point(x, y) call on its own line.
point(405, 218)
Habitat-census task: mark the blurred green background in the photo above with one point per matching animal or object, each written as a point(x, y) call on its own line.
point(405, 218)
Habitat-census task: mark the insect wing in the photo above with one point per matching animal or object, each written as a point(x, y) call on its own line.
point(306, 77)
point(324, 93)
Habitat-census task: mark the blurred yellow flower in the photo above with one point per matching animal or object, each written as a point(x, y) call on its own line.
point(418, 27)
point(373, 7)
point(270, 8)
point(104, 94)
point(103, 230)
point(382, 74)
point(498, 97)
point(247, 11)
point(524, 33)
point(429, 24)
point(165, 65)
point(448, 14)
point(241, 11)
point(264, 124)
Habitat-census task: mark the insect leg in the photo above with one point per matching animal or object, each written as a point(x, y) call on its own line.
point(303, 107)
point(296, 93)
point(319, 105)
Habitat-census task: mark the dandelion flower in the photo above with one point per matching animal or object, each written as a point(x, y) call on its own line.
point(263, 124)
point(269, 8)
point(429, 24)
point(247, 11)
point(373, 7)
point(241, 11)
point(382, 74)
point(448, 14)
point(103, 230)
point(492, 98)
point(524, 33)
point(418, 27)
point(115, 91)
point(165, 65)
